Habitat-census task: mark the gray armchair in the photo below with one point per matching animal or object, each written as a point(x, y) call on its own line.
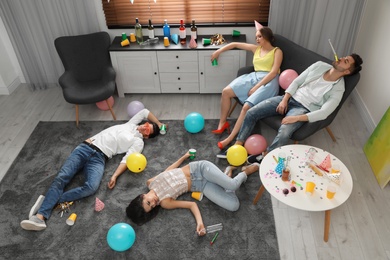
point(299, 58)
point(89, 76)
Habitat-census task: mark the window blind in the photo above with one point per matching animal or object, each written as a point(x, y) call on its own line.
point(122, 13)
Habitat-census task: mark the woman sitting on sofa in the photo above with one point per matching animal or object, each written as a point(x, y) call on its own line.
point(254, 87)
point(202, 176)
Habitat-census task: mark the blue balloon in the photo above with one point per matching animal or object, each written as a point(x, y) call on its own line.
point(194, 122)
point(121, 237)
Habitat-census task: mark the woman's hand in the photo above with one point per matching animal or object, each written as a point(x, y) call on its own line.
point(214, 56)
point(200, 229)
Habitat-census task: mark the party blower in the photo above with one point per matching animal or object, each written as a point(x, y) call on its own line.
point(334, 52)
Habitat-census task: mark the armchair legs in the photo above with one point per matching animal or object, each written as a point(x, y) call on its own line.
point(108, 104)
point(330, 133)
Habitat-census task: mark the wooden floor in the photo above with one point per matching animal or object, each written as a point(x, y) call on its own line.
point(360, 228)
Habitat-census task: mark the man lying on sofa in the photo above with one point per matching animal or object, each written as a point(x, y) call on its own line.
point(312, 96)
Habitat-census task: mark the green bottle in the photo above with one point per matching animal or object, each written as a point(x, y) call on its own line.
point(138, 31)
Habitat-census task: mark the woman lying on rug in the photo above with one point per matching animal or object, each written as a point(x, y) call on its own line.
point(201, 176)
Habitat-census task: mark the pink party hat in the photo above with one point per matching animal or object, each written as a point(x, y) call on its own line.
point(99, 205)
point(258, 25)
point(326, 164)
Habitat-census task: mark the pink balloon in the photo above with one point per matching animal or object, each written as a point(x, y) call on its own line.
point(102, 105)
point(255, 144)
point(286, 77)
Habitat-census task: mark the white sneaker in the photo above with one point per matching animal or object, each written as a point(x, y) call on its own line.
point(36, 206)
point(33, 223)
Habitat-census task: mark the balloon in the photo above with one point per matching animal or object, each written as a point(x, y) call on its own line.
point(194, 122)
point(286, 77)
point(255, 144)
point(236, 155)
point(134, 107)
point(120, 237)
point(102, 105)
point(136, 162)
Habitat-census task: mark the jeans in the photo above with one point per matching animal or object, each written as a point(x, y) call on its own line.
point(215, 185)
point(267, 108)
point(83, 158)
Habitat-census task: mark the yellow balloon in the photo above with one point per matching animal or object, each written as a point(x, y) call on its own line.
point(136, 162)
point(236, 155)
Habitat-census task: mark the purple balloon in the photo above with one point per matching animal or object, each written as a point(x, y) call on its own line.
point(134, 107)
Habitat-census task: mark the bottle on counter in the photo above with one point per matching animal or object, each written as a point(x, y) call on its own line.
point(138, 32)
point(194, 31)
point(182, 32)
point(167, 30)
point(151, 29)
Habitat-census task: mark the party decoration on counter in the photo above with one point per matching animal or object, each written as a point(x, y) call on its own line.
point(193, 44)
point(175, 38)
point(99, 205)
point(217, 39)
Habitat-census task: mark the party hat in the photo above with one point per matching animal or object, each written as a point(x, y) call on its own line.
point(326, 164)
point(99, 205)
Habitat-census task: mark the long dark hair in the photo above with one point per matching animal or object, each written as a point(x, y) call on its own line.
point(136, 212)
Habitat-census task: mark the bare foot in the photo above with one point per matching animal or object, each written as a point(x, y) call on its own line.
point(229, 170)
point(250, 168)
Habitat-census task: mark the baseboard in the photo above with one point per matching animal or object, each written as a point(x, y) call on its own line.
point(363, 111)
point(11, 88)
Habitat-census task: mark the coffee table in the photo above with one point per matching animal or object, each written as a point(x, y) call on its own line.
point(300, 174)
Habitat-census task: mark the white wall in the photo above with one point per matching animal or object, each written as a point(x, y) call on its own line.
point(372, 44)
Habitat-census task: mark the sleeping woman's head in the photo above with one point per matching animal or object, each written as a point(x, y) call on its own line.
point(143, 208)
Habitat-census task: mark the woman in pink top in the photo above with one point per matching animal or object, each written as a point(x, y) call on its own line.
point(202, 176)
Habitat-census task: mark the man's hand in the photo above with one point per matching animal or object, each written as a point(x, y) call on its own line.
point(290, 120)
point(282, 107)
point(111, 183)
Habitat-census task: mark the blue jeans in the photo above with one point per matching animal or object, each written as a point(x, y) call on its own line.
point(215, 185)
point(267, 108)
point(83, 158)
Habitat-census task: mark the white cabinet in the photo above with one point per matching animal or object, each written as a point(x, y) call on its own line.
point(136, 72)
point(212, 79)
point(178, 71)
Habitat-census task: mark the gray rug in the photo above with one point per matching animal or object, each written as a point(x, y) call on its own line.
point(248, 233)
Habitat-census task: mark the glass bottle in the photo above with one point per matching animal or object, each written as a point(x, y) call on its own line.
point(194, 31)
point(138, 31)
point(151, 29)
point(182, 32)
point(286, 170)
point(166, 30)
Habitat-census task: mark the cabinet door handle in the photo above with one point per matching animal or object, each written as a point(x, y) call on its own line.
point(178, 78)
point(177, 56)
point(178, 67)
point(179, 88)
point(155, 73)
point(201, 73)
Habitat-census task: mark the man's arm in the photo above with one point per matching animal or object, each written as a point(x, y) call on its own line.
point(152, 118)
point(121, 169)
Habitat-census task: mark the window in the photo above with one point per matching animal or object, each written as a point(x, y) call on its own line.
point(122, 13)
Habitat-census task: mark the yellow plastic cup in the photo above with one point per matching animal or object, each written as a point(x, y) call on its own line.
point(197, 195)
point(132, 37)
point(125, 43)
point(166, 41)
point(310, 187)
point(330, 192)
point(72, 219)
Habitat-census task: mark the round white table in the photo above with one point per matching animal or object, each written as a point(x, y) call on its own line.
point(300, 174)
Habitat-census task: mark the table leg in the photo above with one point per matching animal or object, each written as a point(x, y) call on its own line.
point(258, 195)
point(327, 225)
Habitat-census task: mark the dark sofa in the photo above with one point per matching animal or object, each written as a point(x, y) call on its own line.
point(299, 58)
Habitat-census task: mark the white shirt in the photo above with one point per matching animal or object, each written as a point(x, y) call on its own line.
point(123, 138)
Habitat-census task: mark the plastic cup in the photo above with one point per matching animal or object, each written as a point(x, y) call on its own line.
point(72, 219)
point(125, 43)
point(124, 36)
point(310, 187)
point(192, 152)
point(197, 195)
point(236, 33)
point(132, 37)
point(330, 191)
point(281, 157)
point(163, 129)
point(214, 62)
point(335, 168)
point(206, 41)
point(166, 41)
